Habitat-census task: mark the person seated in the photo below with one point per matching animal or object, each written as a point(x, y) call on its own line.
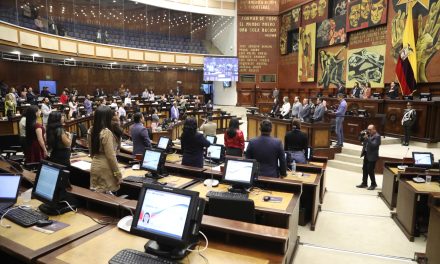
point(275, 107)
point(139, 134)
point(193, 144)
point(30, 96)
point(366, 91)
point(306, 112)
point(209, 106)
point(356, 91)
point(296, 142)
point(340, 88)
point(152, 96)
point(155, 125)
point(45, 92)
point(145, 94)
point(285, 109)
point(268, 151)
point(105, 174)
point(234, 139)
point(122, 113)
point(393, 92)
point(88, 106)
point(320, 109)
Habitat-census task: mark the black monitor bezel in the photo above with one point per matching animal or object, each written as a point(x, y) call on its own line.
point(214, 137)
point(159, 165)
point(423, 165)
point(253, 173)
point(18, 187)
point(168, 145)
point(59, 191)
point(187, 236)
point(222, 153)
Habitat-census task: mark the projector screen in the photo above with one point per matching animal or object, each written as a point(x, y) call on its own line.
point(220, 69)
point(52, 85)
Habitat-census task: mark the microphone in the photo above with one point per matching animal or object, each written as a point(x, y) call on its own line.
point(401, 166)
point(210, 182)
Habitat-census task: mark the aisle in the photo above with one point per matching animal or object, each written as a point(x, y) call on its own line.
point(354, 226)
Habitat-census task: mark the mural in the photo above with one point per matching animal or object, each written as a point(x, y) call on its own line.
point(331, 32)
point(427, 15)
point(366, 13)
point(289, 21)
point(314, 11)
point(366, 65)
point(338, 8)
point(331, 66)
point(306, 56)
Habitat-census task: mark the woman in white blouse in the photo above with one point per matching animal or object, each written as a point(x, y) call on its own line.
point(73, 107)
point(285, 109)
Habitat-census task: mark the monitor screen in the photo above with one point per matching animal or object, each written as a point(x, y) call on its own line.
point(52, 85)
point(220, 69)
point(164, 213)
point(246, 143)
point(163, 143)
point(227, 84)
point(211, 139)
point(9, 186)
point(151, 160)
point(214, 152)
point(47, 181)
point(423, 159)
point(239, 171)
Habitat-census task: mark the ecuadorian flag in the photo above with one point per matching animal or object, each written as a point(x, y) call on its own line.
point(406, 68)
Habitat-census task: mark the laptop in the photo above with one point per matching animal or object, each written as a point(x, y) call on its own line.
point(8, 190)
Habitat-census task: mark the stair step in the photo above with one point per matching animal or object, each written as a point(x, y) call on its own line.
point(347, 166)
point(350, 151)
point(349, 158)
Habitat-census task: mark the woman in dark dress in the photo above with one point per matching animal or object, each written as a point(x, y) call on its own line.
point(58, 140)
point(192, 144)
point(35, 149)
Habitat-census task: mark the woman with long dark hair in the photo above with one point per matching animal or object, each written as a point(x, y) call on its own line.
point(105, 175)
point(58, 139)
point(193, 143)
point(234, 139)
point(35, 149)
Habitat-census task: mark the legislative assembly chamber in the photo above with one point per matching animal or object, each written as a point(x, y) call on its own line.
point(220, 131)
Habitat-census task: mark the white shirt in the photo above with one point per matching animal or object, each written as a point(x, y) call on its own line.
point(45, 110)
point(113, 105)
point(122, 111)
point(145, 94)
point(151, 97)
point(22, 127)
point(285, 109)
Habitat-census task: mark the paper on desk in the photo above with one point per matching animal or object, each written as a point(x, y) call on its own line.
point(82, 165)
point(52, 228)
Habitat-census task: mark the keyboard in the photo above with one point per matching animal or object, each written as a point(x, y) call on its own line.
point(230, 195)
point(139, 179)
point(24, 216)
point(130, 256)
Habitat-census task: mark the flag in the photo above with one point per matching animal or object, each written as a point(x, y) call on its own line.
point(406, 68)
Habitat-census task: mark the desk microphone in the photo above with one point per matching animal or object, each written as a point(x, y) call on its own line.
point(210, 182)
point(401, 166)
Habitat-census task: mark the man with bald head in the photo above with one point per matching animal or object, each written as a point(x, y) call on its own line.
point(370, 151)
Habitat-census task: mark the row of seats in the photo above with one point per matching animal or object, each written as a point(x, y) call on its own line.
point(128, 38)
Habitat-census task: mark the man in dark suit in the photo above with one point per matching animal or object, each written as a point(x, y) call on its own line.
point(305, 113)
point(370, 152)
point(268, 151)
point(320, 108)
point(139, 135)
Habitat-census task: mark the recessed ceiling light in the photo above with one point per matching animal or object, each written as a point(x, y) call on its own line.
point(35, 55)
point(16, 52)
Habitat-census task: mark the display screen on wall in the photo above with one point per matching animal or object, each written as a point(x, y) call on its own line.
point(51, 85)
point(220, 69)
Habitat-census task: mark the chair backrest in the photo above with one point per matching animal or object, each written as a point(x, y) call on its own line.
point(235, 209)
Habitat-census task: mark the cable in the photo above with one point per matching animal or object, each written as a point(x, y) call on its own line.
point(71, 208)
point(99, 221)
point(206, 245)
point(7, 211)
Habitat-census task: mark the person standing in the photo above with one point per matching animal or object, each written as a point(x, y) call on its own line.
point(73, 107)
point(46, 109)
point(145, 94)
point(35, 149)
point(340, 114)
point(356, 91)
point(408, 120)
point(285, 109)
point(64, 98)
point(88, 105)
point(296, 142)
point(193, 144)
point(275, 93)
point(58, 139)
point(275, 108)
point(105, 174)
point(209, 128)
point(174, 112)
point(320, 108)
point(370, 152)
point(296, 107)
point(234, 139)
point(268, 151)
point(306, 111)
point(366, 92)
point(10, 105)
point(341, 88)
point(139, 135)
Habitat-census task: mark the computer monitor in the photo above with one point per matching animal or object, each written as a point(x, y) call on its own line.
point(153, 161)
point(425, 97)
point(9, 184)
point(423, 159)
point(211, 139)
point(164, 143)
point(240, 173)
point(50, 186)
point(215, 153)
point(309, 153)
point(170, 218)
point(246, 143)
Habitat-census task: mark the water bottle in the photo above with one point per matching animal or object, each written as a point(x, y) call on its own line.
point(293, 164)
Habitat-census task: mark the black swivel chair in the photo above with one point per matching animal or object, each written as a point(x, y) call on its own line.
point(235, 209)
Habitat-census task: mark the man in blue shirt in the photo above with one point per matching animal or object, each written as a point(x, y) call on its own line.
point(88, 105)
point(139, 135)
point(340, 114)
point(174, 112)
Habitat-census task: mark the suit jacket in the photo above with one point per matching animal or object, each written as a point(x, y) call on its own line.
point(296, 109)
point(192, 148)
point(319, 113)
point(305, 113)
point(371, 147)
point(356, 92)
point(141, 140)
point(267, 151)
point(174, 113)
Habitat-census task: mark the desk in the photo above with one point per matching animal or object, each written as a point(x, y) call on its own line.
point(412, 204)
point(279, 126)
point(390, 186)
point(9, 127)
point(433, 243)
point(28, 244)
point(318, 134)
point(101, 246)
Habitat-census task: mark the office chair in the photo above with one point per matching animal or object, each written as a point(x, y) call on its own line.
point(235, 209)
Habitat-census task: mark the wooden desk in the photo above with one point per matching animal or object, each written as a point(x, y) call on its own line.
point(390, 185)
point(28, 244)
point(101, 246)
point(279, 126)
point(9, 127)
point(433, 243)
point(318, 134)
point(412, 203)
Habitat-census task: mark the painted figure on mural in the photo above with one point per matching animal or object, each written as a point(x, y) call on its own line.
point(367, 65)
point(377, 11)
point(332, 68)
point(306, 12)
point(354, 15)
point(322, 5)
point(313, 10)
